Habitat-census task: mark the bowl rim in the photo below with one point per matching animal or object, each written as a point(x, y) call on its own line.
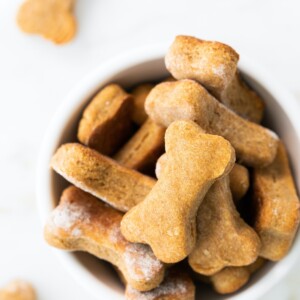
point(76, 96)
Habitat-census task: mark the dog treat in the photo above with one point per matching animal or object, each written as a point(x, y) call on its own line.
point(239, 182)
point(139, 94)
point(176, 286)
point(231, 279)
point(82, 222)
point(255, 145)
point(166, 219)
point(18, 290)
point(101, 176)
point(143, 149)
point(214, 65)
point(239, 178)
point(223, 238)
point(106, 123)
point(52, 19)
point(277, 206)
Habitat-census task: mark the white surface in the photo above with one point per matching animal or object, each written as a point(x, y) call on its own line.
point(35, 76)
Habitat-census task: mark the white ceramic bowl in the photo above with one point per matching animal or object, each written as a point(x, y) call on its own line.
point(142, 66)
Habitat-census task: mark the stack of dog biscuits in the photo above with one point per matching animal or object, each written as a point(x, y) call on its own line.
point(159, 175)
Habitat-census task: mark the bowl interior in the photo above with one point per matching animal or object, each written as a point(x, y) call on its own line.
point(100, 273)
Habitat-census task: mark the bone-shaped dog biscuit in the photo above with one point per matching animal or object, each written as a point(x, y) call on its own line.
point(140, 94)
point(53, 19)
point(214, 65)
point(277, 206)
point(231, 279)
point(239, 177)
point(102, 177)
point(223, 238)
point(143, 149)
point(188, 100)
point(18, 290)
point(217, 211)
point(106, 123)
point(166, 219)
point(176, 286)
point(82, 222)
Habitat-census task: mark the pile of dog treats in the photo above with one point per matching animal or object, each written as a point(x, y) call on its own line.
point(200, 131)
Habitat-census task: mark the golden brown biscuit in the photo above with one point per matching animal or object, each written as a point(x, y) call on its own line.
point(82, 222)
point(277, 206)
point(18, 290)
point(187, 100)
point(223, 238)
point(144, 148)
point(52, 19)
point(139, 94)
point(239, 178)
point(101, 176)
point(239, 182)
point(106, 123)
point(231, 279)
point(166, 219)
point(176, 286)
point(214, 65)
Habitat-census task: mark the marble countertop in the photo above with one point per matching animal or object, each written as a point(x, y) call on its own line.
point(36, 75)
